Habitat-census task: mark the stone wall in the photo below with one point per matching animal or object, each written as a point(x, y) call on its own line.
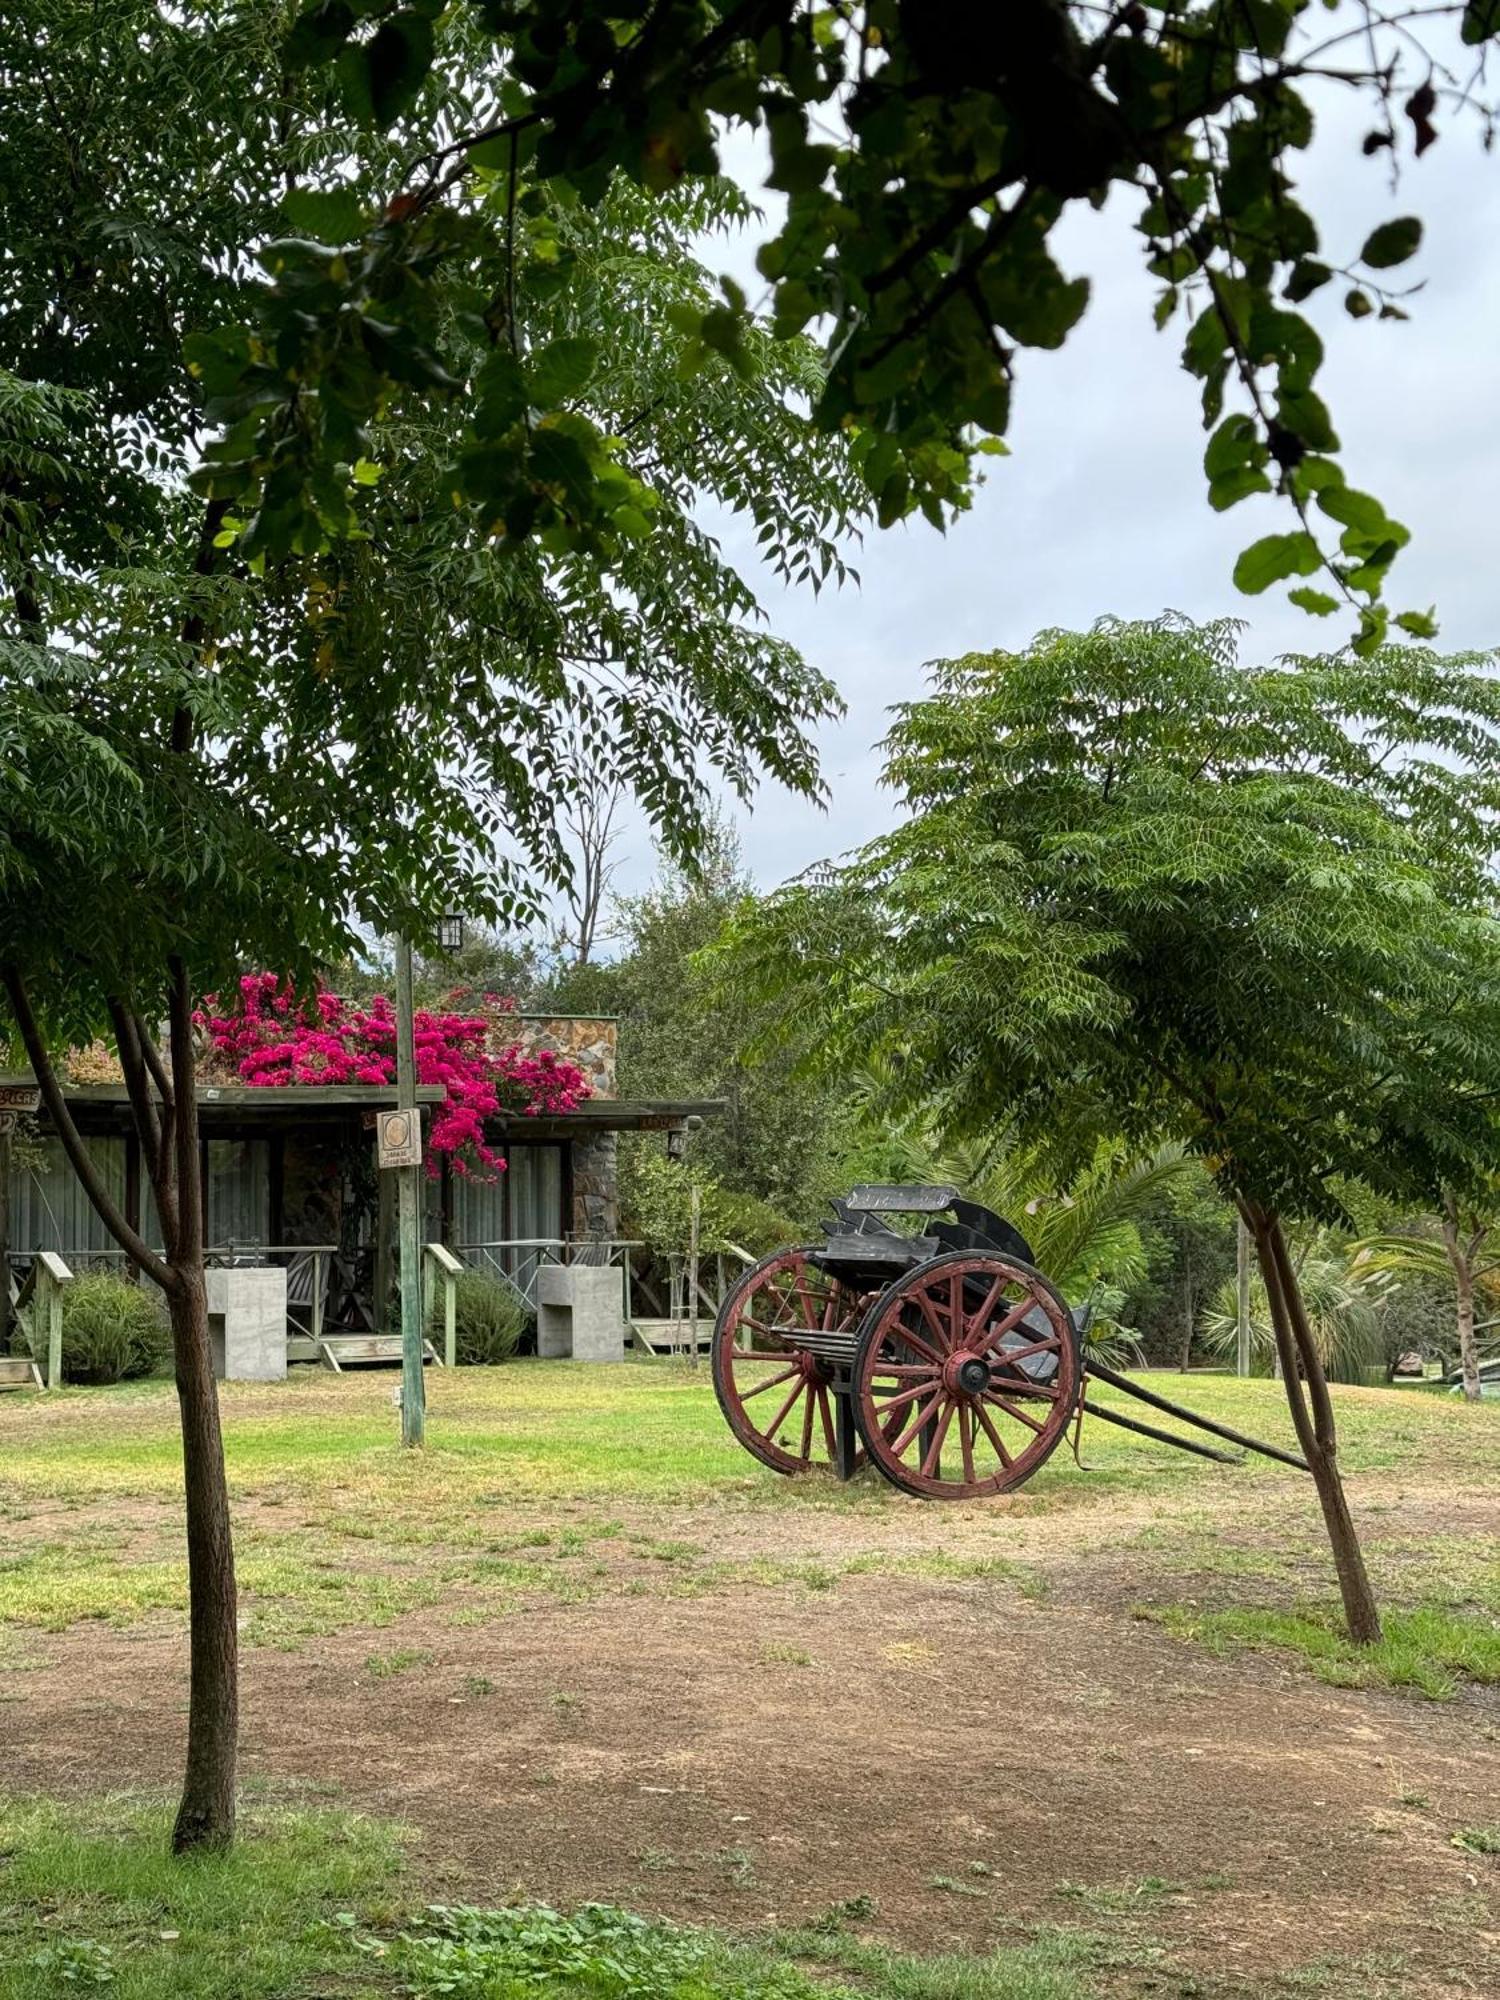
point(589, 1042)
point(596, 1191)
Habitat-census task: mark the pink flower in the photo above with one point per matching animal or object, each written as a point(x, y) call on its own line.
point(321, 1040)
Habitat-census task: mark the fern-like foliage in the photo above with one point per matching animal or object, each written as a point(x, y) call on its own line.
point(1143, 891)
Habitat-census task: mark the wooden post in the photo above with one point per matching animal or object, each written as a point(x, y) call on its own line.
point(385, 1236)
point(1242, 1301)
point(694, 1217)
point(6, 1123)
point(413, 1387)
point(53, 1296)
point(317, 1296)
point(443, 1268)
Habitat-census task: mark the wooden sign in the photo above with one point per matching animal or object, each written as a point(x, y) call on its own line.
point(398, 1138)
point(20, 1097)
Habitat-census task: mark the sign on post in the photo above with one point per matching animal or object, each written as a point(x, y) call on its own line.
point(398, 1138)
point(16, 1099)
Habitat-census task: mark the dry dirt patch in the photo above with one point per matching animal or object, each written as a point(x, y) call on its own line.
point(972, 1758)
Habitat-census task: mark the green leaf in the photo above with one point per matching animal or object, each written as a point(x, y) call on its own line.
point(560, 369)
point(1420, 624)
point(1354, 510)
point(383, 77)
point(318, 33)
point(1273, 558)
point(1231, 487)
point(1235, 443)
point(1392, 243)
point(1358, 304)
point(1307, 274)
point(1318, 602)
point(501, 392)
point(365, 472)
point(329, 215)
point(1481, 20)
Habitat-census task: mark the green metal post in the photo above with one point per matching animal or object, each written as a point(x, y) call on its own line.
point(408, 1226)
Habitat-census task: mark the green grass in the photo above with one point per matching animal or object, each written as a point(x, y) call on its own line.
point(555, 1431)
point(530, 1468)
point(90, 1892)
point(327, 1904)
point(1428, 1651)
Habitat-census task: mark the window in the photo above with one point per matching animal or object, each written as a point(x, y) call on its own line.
point(534, 1191)
point(239, 1191)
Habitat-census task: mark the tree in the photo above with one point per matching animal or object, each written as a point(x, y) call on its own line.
point(1084, 1219)
point(1343, 1303)
point(1190, 1238)
point(244, 756)
point(772, 1141)
point(927, 155)
point(1458, 1244)
point(1142, 888)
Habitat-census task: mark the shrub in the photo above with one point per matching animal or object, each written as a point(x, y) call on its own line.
point(112, 1331)
point(488, 1319)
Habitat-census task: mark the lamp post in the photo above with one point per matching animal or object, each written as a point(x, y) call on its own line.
point(408, 1218)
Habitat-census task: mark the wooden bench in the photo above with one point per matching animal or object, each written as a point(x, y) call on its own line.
point(363, 1350)
point(671, 1336)
point(19, 1371)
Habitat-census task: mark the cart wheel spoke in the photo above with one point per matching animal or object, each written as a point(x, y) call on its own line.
point(923, 1416)
point(953, 1314)
point(777, 1303)
point(1011, 1357)
point(932, 1458)
point(807, 1419)
point(771, 1382)
point(899, 1398)
point(774, 1426)
point(999, 1403)
point(982, 1415)
point(830, 1440)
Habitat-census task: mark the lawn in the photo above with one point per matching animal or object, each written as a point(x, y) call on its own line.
point(582, 1649)
point(340, 1528)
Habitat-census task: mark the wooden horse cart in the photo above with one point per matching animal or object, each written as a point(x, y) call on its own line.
point(937, 1352)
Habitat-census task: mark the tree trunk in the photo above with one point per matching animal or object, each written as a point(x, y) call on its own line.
point(1460, 1257)
point(205, 1817)
point(1312, 1417)
point(164, 1110)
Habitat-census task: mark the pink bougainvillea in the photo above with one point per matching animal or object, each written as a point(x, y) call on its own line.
point(275, 1036)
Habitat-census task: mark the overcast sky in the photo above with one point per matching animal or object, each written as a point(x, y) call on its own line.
point(1101, 508)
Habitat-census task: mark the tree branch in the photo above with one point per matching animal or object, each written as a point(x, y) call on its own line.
point(130, 1241)
point(185, 1124)
point(148, 1123)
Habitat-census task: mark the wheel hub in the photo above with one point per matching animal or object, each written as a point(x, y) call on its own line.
point(966, 1375)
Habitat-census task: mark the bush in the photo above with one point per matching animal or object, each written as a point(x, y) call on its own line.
point(112, 1331)
point(488, 1319)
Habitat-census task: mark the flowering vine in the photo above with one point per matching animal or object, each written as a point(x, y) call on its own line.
point(273, 1036)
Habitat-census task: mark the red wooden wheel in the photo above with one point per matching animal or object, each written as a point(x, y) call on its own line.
point(780, 1337)
point(967, 1373)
